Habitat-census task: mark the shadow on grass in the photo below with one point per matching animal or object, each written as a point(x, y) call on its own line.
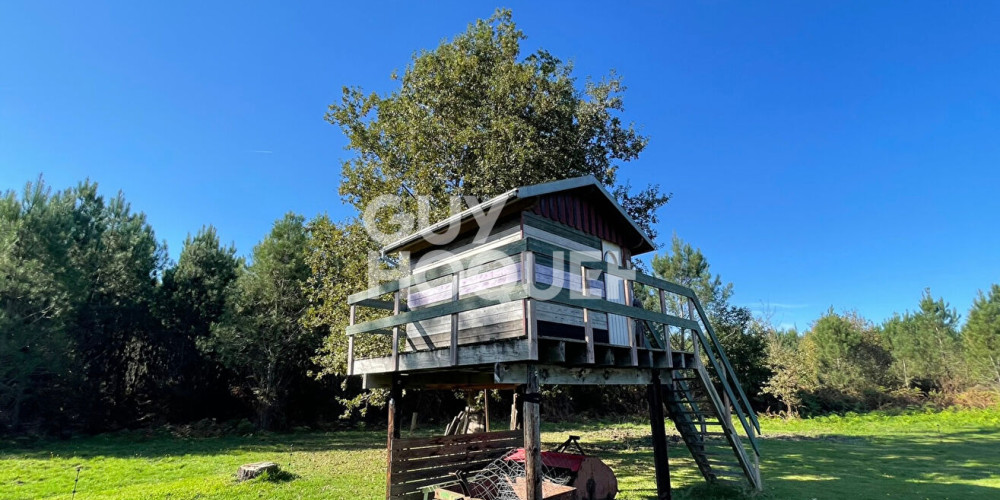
point(830, 466)
point(157, 445)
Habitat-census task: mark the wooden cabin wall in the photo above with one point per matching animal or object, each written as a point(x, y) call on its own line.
point(557, 320)
point(496, 322)
point(576, 210)
point(505, 231)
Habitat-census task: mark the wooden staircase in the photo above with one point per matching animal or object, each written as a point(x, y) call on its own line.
point(706, 427)
point(702, 396)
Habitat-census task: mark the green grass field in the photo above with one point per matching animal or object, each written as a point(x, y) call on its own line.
point(949, 455)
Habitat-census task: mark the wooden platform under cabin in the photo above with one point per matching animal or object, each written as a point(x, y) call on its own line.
point(545, 293)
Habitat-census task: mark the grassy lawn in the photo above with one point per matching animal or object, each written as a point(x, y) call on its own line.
point(950, 455)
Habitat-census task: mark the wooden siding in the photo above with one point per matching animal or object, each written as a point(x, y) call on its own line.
point(418, 462)
point(567, 315)
point(505, 231)
point(500, 321)
point(578, 212)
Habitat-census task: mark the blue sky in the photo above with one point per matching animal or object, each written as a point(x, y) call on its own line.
point(821, 154)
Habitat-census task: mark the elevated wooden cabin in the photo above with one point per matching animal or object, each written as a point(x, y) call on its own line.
point(536, 286)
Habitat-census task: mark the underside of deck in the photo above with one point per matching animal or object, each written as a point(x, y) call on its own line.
point(503, 365)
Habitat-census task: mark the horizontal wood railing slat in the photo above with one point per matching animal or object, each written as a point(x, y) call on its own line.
point(507, 250)
point(425, 461)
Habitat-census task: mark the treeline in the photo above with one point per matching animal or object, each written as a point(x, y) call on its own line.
point(98, 330)
point(845, 362)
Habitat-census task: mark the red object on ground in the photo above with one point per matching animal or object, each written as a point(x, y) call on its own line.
point(551, 459)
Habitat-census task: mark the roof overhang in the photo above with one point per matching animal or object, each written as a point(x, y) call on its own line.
point(520, 196)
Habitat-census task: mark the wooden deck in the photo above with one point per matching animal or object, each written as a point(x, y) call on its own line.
point(520, 304)
point(538, 306)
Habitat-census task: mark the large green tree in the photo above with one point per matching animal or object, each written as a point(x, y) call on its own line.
point(79, 295)
point(193, 297)
point(925, 343)
point(981, 336)
point(476, 117)
point(845, 353)
point(472, 117)
point(687, 266)
point(260, 335)
point(790, 375)
point(34, 305)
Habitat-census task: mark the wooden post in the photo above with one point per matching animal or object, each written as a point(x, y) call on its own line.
point(453, 345)
point(530, 323)
point(694, 339)
point(396, 397)
point(532, 437)
point(514, 410)
point(666, 329)
point(486, 410)
point(630, 325)
point(395, 333)
point(588, 328)
point(661, 455)
point(391, 434)
point(350, 346)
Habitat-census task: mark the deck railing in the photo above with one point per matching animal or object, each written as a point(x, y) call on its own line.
point(695, 330)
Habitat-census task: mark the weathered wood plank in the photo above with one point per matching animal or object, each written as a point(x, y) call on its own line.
point(495, 331)
point(456, 439)
point(532, 435)
point(560, 230)
point(565, 297)
point(476, 354)
point(487, 298)
point(508, 373)
point(421, 276)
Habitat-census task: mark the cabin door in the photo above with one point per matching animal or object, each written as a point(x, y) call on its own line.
point(615, 289)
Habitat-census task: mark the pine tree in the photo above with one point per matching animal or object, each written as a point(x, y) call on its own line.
point(981, 336)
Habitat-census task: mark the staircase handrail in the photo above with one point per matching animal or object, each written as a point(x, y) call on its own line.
point(730, 373)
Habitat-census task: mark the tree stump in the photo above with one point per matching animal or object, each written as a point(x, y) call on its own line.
point(250, 471)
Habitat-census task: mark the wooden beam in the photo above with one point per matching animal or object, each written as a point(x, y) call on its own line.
point(486, 409)
point(432, 379)
point(490, 297)
point(453, 345)
point(514, 409)
point(571, 298)
point(666, 330)
point(476, 354)
point(350, 346)
point(508, 373)
point(661, 457)
point(630, 325)
point(530, 319)
point(588, 329)
point(395, 333)
point(391, 434)
point(532, 436)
